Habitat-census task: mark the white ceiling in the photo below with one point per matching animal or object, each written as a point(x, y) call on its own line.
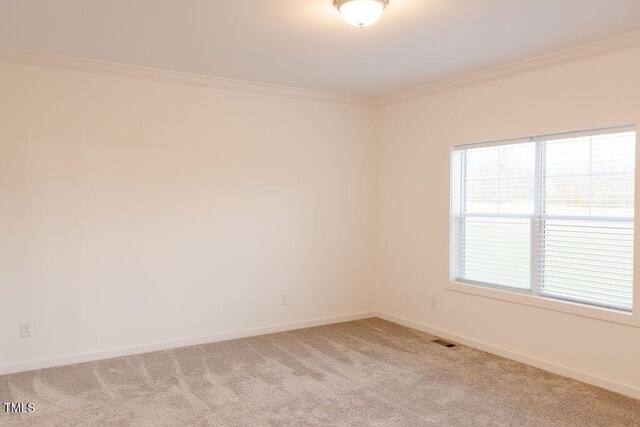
point(305, 43)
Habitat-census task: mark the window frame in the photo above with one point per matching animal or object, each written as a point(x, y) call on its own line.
point(533, 297)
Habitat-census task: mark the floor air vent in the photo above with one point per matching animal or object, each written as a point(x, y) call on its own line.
point(444, 343)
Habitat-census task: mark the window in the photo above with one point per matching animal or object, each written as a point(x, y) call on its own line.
point(550, 215)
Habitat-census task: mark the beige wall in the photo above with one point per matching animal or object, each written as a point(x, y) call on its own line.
point(415, 141)
point(136, 212)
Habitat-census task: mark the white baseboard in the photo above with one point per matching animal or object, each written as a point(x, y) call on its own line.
point(224, 336)
point(617, 387)
point(165, 345)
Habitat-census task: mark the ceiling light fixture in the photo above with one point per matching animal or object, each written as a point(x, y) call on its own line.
point(361, 13)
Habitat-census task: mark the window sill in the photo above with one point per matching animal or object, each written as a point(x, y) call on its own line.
point(572, 308)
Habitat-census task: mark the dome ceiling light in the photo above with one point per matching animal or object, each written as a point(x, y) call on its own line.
point(361, 13)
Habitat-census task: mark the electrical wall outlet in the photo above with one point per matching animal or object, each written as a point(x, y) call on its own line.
point(25, 329)
point(434, 302)
point(284, 299)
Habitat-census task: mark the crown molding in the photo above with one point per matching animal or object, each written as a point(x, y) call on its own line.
point(579, 53)
point(25, 57)
point(567, 56)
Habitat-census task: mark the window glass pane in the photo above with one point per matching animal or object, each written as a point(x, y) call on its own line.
point(497, 251)
point(500, 179)
point(612, 195)
point(613, 168)
point(590, 175)
point(567, 195)
point(614, 153)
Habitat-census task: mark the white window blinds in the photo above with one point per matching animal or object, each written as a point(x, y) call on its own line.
point(549, 215)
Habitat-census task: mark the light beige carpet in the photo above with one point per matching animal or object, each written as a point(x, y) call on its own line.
point(369, 372)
